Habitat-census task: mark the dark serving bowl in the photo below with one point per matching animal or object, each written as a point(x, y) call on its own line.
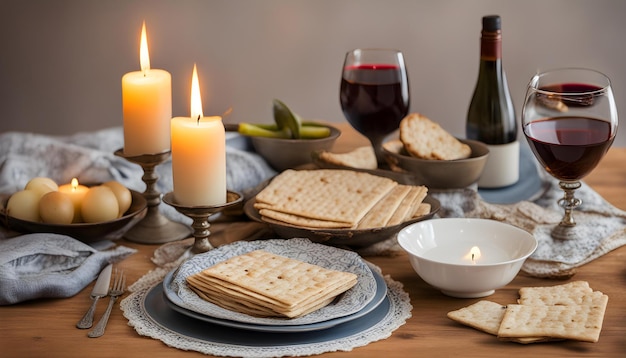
point(438, 174)
point(85, 232)
point(283, 154)
point(339, 237)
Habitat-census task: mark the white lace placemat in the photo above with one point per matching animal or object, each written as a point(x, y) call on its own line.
point(399, 312)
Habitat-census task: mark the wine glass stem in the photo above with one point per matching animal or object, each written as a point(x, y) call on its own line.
point(377, 143)
point(568, 202)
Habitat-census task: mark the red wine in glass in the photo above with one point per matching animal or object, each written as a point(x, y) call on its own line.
point(569, 148)
point(570, 120)
point(374, 93)
point(374, 98)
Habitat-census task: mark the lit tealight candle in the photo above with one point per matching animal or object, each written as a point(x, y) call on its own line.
point(473, 255)
point(147, 106)
point(76, 192)
point(198, 155)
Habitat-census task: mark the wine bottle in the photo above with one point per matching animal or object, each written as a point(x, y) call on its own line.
point(491, 115)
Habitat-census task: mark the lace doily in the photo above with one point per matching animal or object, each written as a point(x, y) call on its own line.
point(132, 306)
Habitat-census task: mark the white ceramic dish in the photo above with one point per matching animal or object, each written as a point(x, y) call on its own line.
point(350, 302)
point(440, 251)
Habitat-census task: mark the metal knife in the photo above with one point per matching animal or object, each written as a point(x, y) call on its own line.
point(101, 289)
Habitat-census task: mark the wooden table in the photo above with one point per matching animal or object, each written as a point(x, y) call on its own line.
point(46, 327)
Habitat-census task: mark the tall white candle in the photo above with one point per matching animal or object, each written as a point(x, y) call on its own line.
point(147, 106)
point(198, 155)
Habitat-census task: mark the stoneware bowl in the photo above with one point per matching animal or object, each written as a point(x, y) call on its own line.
point(85, 232)
point(283, 154)
point(438, 174)
point(466, 257)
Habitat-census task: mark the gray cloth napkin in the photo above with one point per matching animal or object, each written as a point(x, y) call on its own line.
point(50, 266)
point(602, 227)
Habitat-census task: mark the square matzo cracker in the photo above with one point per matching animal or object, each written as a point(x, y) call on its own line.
point(334, 195)
point(482, 315)
point(577, 322)
point(260, 279)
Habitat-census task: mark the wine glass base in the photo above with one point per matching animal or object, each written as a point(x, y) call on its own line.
point(565, 232)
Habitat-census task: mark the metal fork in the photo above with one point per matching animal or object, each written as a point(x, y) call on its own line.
point(117, 289)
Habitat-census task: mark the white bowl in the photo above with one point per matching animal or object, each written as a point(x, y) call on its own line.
point(440, 252)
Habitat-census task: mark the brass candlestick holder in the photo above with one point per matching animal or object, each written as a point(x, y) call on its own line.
point(154, 228)
point(200, 216)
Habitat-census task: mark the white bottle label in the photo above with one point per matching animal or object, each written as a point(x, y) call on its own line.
point(502, 167)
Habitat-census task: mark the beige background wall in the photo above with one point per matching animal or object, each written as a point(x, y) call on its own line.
point(61, 62)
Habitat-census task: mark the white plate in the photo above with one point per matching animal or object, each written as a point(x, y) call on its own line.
point(381, 292)
point(352, 301)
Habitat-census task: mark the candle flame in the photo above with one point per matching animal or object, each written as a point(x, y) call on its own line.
point(196, 99)
point(74, 184)
point(144, 56)
point(473, 254)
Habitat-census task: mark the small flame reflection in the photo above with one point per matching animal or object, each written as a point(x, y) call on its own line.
point(473, 255)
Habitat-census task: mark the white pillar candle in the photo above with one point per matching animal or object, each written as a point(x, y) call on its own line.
point(147, 106)
point(198, 155)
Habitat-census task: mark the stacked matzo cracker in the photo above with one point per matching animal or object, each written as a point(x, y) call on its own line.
point(337, 199)
point(570, 311)
point(361, 158)
point(263, 284)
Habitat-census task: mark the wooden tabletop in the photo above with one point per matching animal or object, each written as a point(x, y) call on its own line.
point(46, 328)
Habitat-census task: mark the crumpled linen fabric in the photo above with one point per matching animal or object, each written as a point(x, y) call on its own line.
point(89, 156)
point(50, 266)
point(601, 226)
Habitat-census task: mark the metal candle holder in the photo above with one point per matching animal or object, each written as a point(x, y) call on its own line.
point(154, 228)
point(200, 216)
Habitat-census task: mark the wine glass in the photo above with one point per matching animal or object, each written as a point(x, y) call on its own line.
point(569, 119)
point(374, 93)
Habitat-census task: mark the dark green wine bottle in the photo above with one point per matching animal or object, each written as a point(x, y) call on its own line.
point(491, 115)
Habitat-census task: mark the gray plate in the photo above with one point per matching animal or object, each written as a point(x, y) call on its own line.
point(300, 249)
point(176, 304)
point(155, 308)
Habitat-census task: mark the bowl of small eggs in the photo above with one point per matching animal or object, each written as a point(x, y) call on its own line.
point(91, 213)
